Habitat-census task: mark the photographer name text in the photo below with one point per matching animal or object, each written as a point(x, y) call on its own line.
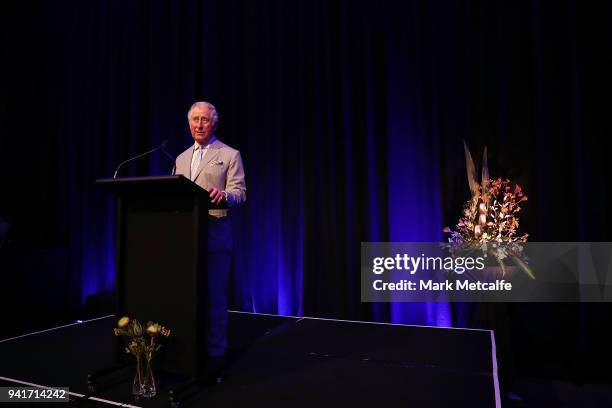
point(430, 285)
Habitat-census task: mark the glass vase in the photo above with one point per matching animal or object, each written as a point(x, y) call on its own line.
point(138, 377)
point(149, 388)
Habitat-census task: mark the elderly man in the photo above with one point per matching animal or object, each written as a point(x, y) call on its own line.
point(217, 168)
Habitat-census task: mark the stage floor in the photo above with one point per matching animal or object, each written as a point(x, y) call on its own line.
point(280, 361)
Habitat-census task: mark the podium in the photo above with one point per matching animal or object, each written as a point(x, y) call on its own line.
point(161, 263)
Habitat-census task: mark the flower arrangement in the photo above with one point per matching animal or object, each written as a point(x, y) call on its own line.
point(491, 215)
point(490, 218)
point(142, 344)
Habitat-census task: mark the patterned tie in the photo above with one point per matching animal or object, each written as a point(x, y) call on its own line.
point(196, 162)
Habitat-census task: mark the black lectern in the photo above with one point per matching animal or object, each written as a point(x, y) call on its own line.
point(161, 262)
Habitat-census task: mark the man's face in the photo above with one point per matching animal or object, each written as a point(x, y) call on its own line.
point(200, 124)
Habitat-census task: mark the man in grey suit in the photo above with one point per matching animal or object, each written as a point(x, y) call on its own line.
point(217, 168)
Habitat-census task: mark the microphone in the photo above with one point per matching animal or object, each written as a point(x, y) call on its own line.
point(160, 147)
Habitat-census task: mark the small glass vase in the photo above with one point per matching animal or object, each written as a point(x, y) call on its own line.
point(137, 383)
point(148, 382)
point(144, 380)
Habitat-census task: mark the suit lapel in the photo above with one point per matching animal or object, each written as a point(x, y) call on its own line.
point(211, 154)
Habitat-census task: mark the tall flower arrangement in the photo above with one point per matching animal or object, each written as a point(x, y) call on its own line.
point(490, 218)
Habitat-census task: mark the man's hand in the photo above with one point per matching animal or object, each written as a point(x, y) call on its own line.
point(216, 196)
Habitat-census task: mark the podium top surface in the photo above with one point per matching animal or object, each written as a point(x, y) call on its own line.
point(152, 185)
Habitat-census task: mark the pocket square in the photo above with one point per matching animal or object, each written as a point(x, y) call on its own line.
point(216, 163)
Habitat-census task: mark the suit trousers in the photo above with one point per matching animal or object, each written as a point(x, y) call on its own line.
point(219, 258)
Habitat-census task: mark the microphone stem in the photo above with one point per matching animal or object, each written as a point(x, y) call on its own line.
point(134, 158)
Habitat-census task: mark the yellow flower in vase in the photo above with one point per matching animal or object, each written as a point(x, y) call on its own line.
point(123, 322)
point(153, 329)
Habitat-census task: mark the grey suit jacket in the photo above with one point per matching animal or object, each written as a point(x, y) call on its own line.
point(221, 168)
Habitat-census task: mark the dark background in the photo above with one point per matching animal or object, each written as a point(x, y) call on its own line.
point(350, 117)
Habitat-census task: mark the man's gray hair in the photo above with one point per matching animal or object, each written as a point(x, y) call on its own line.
point(214, 116)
